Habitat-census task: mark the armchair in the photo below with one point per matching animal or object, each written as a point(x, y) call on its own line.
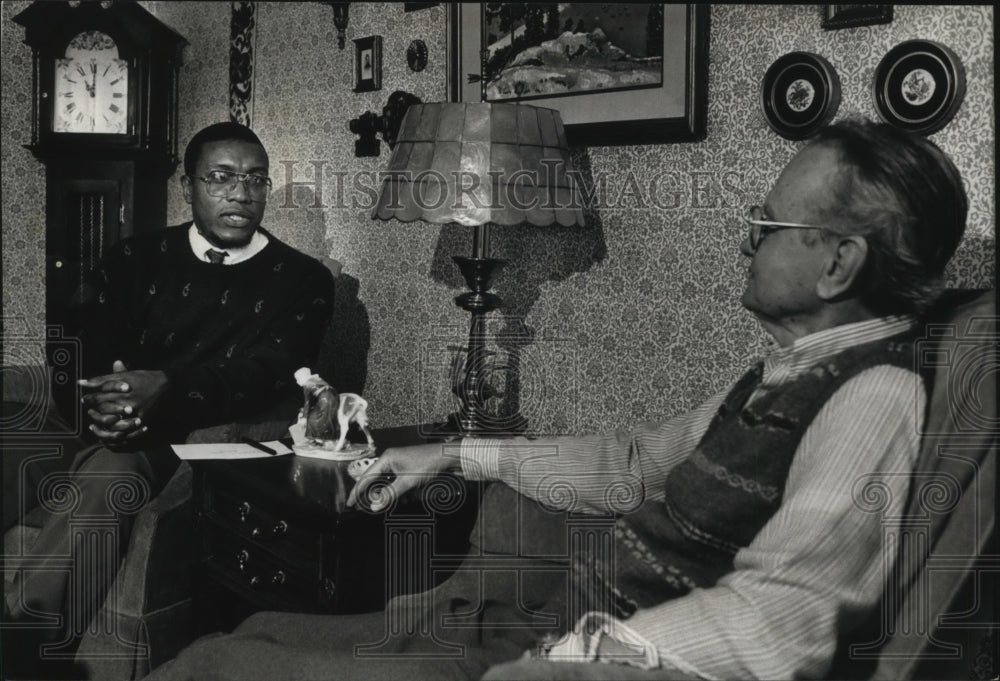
point(939, 610)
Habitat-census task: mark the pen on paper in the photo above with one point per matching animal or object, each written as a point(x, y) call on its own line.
point(257, 445)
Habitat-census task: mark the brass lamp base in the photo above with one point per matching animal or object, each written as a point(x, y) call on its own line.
point(472, 388)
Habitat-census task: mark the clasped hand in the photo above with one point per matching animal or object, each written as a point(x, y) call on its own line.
point(119, 401)
point(409, 467)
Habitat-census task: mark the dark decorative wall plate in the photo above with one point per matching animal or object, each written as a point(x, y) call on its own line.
point(416, 55)
point(800, 94)
point(918, 86)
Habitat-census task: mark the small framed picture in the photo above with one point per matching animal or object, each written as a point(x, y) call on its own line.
point(368, 64)
point(849, 16)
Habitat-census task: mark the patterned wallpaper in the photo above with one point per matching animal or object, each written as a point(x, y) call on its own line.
point(22, 214)
point(634, 317)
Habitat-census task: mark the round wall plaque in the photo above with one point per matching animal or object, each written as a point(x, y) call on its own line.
point(416, 55)
point(918, 86)
point(800, 94)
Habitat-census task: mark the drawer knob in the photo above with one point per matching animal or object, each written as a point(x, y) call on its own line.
point(244, 510)
point(277, 530)
point(242, 558)
point(277, 579)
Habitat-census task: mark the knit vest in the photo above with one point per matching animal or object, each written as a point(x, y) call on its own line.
point(719, 498)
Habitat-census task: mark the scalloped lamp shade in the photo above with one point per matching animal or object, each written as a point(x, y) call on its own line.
point(479, 163)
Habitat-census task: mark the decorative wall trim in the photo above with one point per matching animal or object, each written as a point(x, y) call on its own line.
point(241, 42)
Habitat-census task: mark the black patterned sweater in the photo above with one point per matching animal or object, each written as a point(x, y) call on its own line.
point(228, 337)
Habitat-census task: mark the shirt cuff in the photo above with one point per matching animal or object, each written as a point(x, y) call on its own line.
point(480, 459)
point(667, 658)
point(584, 642)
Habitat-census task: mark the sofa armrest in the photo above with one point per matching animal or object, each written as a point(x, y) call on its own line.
point(147, 616)
point(158, 569)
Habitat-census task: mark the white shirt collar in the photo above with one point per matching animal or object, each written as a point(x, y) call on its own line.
point(200, 246)
point(806, 352)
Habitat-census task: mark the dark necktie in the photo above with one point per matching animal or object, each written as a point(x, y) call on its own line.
point(215, 257)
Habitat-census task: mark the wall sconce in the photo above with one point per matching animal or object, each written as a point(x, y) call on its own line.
point(368, 124)
point(340, 20)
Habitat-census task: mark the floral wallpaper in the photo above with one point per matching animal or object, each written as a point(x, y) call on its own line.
point(633, 317)
point(22, 214)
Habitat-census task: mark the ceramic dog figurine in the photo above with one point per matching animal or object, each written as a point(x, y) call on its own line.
point(327, 415)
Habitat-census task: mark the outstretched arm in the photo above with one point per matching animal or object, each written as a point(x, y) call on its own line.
point(610, 472)
point(594, 473)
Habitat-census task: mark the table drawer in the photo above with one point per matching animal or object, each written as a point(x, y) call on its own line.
point(268, 578)
point(257, 522)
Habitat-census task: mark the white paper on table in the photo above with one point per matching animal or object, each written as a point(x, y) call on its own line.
point(228, 450)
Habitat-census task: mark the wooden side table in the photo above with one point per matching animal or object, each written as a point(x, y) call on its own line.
point(275, 534)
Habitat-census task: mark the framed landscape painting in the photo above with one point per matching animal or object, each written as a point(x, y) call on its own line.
point(619, 73)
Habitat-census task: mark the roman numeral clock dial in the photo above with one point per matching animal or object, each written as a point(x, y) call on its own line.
point(91, 87)
point(112, 84)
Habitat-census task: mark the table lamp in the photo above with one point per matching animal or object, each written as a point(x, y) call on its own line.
point(479, 164)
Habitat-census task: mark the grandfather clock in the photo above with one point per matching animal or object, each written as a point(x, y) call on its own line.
point(104, 123)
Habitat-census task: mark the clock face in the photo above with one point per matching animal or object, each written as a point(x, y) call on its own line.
point(91, 87)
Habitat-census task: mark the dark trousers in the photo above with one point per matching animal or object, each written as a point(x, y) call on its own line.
point(61, 580)
point(472, 621)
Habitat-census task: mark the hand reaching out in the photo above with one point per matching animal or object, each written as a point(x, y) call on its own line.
point(411, 467)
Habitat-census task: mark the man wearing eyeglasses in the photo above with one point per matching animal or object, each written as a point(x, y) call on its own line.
point(187, 327)
point(737, 548)
point(213, 291)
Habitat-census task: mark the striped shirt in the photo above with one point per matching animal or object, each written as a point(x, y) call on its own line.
point(815, 568)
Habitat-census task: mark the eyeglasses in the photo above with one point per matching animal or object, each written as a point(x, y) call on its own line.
point(760, 226)
point(219, 183)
